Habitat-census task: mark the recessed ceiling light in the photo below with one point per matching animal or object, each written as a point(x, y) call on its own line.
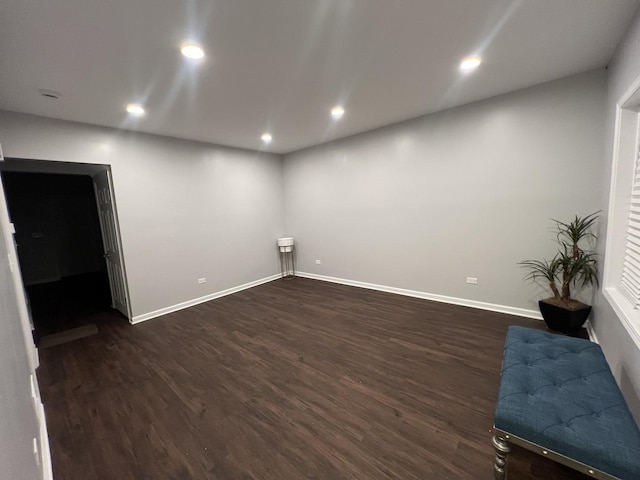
point(337, 112)
point(192, 51)
point(470, 63)
point(135, 109)
point(266, 137)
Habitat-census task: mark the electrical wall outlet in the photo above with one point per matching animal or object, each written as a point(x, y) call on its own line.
point(318, 262)
point(202, 280)
point(472, 280)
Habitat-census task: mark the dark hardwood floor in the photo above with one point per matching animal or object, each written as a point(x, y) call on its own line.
point(294, 379)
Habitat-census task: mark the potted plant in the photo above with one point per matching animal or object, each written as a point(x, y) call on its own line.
point(574, 263)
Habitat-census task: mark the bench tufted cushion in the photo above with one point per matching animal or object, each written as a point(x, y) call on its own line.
point(558, 392)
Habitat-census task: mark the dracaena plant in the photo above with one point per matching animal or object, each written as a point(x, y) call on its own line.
point(573, 264)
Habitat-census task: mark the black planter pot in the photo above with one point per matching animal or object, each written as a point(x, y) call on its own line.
point(561, 319)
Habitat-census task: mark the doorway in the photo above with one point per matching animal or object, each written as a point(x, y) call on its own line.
point(65, 259)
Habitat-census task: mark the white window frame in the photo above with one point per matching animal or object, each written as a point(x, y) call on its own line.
point(625, 162)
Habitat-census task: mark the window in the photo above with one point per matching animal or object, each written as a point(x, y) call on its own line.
point(630, 281)
point(622, 257)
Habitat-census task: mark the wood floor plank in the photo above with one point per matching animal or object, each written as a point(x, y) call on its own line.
point(294, 379)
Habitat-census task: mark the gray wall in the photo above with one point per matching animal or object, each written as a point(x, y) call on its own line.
point(18, 420)
point(187, 210)
point(425, 203)
point(622, 353)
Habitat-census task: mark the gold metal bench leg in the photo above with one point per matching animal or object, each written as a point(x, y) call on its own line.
point(502, 448)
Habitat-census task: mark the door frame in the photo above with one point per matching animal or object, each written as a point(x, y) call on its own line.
point(90, 169)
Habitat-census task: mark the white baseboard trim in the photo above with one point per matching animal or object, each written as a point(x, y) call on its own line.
point(190, 303)
point(521, 312)
point(592, 333)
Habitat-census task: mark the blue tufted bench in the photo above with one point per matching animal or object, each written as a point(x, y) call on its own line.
point(558, 398)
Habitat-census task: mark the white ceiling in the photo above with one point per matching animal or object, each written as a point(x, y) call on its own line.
point(281, 65)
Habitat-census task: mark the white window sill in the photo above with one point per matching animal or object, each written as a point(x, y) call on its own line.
point(629, 316)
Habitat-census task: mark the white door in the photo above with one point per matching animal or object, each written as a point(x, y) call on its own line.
point(16, 276)
point(111, 240)
point(24, 438)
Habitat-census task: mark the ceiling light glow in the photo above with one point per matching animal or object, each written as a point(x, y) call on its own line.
point(135, 109)
point(192, 51)
point(470, 63)
point(266, 137)
point(337, 112)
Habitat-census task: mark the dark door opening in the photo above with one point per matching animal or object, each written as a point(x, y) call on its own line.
point(60, 249)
